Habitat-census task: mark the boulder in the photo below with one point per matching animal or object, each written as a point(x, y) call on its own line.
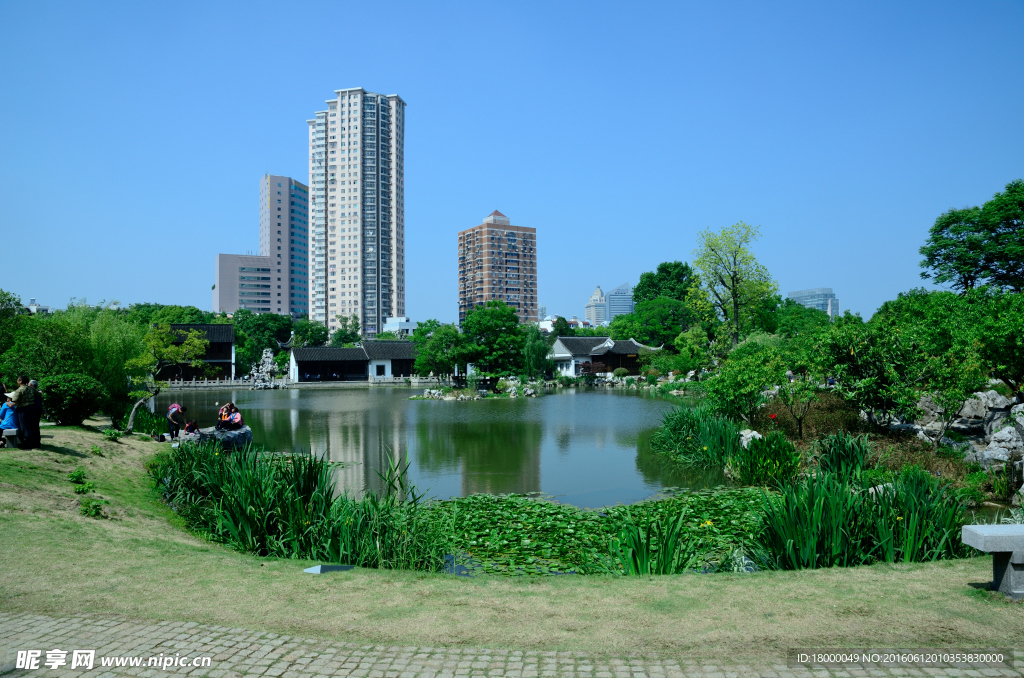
point(746, 435)
point(1004, 446)
point(229, 440)
point(529, 392)
point(513, 392)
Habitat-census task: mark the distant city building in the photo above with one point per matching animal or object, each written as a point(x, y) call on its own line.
point(246, 281)
point(34, 308)
point(620, 301)
point(402, 326)
point(542, 312)
point(597, 308)
point(498, 261)
point(284, 237)
point(820, 298)
point(357, 205)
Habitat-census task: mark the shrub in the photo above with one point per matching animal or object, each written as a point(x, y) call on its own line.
point(84, 488)
point(93, 508)
point(71, 398)
point(77, 476)
point(843, 453)
point(96, 450)
point(769, 461)
point(112, 434)
point(620, 372)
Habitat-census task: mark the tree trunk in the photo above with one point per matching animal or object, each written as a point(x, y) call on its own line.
point(131, 419)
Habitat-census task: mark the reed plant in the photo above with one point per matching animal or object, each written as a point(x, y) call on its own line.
point(696, 436)
point(286, 506)
point(843, 453)
point(767, 461)
point(661, 547)
point(831, 519)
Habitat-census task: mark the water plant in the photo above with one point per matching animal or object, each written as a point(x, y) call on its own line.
point(696, 436)
point(769, 461)
point(830, 519)
point(843, 453)
point(663, 547)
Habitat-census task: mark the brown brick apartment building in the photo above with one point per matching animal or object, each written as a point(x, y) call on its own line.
point(498, 261)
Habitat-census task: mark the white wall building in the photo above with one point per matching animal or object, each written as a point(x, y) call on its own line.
point(357, 209)
point(597, 308)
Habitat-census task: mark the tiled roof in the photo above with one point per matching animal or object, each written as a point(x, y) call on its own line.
point(581, 345)
point(328, 354)
point(213, 333)
point(389, 350)
point(627, 347)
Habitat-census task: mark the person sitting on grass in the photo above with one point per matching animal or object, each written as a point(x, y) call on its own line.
point(233, 422)
point(8, 417)
point(175, 419)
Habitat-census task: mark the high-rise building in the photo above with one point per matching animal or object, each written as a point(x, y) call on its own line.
point(820, 298)
point(620, 301)
point(247, 281)
point(597, 308)
point(357, 209)
point(498, 261)
point(284, 237)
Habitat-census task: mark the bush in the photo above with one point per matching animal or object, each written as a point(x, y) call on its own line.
point(620, 372)
point(84, 488)
point(769, 461)
point(77, 476)
point(92, 508)
point(112, 434)
point(72, 398)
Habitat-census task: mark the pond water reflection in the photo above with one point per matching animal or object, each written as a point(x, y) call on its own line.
point(583, 447)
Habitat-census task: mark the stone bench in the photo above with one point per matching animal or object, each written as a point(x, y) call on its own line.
point(1006, 544)
point(11, 438)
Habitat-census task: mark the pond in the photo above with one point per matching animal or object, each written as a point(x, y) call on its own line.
point(583, 447)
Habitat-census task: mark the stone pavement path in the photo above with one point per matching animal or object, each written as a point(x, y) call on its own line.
point(240, 652)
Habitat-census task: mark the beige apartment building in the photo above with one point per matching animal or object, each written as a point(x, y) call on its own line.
point(498, 261)
point(357, 209)
point(284, 238)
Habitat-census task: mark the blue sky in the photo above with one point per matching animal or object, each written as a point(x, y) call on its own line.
point(133, 136)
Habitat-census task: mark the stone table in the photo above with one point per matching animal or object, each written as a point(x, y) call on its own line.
point(1006, 544)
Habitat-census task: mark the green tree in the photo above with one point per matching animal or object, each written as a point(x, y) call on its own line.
point(438, 348)
point(387, 336)
point(535, 352)
point(731, 278)
point(493, 340)
point(672, 279)
point(150, 314)
point(1003, 219)
point(955, 250)
point(255, 332)
point(347, 332)
point(10, 310)
point(309, 333)
point(738, 389)
point(694, 348)
point(795, 319)
point(655, 323)
point(48, 345)
point(996, 321)
point(591, 332)
point(561, 328)
point(164, 347)
point(799, 396)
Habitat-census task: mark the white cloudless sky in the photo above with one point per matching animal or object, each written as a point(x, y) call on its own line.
point(133, 135)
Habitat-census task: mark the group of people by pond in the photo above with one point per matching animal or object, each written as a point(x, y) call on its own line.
point(21, 411)
point(228, 419)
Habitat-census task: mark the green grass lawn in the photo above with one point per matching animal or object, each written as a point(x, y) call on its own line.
point(139, 563)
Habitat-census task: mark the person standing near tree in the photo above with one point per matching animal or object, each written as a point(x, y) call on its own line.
point(24, 398)
point(175, 419)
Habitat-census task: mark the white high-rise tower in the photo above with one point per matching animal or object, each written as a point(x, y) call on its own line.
point(357, 209)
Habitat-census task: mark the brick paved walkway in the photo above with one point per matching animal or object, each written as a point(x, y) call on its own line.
point(239, 652)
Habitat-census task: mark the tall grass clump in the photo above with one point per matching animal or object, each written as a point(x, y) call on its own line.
point(830, 519)
point(285, 506)
point(696, 436)
point(767, 461)
point(843, 453)
point(663, 546)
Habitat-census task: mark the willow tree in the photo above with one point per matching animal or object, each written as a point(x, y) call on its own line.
point(732, 280)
